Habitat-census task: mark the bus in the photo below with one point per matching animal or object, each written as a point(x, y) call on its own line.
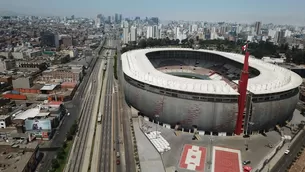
point(99, 117)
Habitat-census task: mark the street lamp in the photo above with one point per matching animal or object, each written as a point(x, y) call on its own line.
point(210, 152)
point(250, 124)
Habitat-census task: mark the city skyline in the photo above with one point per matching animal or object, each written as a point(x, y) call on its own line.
point(278, 12)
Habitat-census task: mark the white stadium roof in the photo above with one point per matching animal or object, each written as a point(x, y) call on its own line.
point(272, 78)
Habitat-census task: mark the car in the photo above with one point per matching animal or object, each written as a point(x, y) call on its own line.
point(246, 162)
point(118, 162)
point(287, 151)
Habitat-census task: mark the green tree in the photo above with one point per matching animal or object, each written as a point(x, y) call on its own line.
point(142, 43)
point(55, 164)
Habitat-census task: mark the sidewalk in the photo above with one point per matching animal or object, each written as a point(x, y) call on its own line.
point(279, 154)
point(150, 159)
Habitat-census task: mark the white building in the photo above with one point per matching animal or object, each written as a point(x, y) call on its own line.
point(213, 34)
point(287, 33)
point(271, 33)
point(149, 33)
point(97, 22)
point(177, 32)
point(194, 28)
point(133, 33)
point(125, 35)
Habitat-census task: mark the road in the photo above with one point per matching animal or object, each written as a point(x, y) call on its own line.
point(286, 160)
point(125, 116)
point(75, 163)
point(116, 132)
point(106, 142)
point(74, 107)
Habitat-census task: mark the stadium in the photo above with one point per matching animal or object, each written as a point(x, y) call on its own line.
point(187, 88)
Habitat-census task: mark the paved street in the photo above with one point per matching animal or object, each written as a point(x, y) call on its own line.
point(126, 115)
point(74, 108)
point(286, 160)
point(106, 142)
point(76, 159)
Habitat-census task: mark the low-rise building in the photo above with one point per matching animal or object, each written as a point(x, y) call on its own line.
point(17, 156)
point(6, 79)
point(30, 64)
point(6, 64)
point(64, 73)
point(23, 82)
point(41, 120)
point(5, 121)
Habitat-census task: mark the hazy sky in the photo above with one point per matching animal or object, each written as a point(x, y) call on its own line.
point(277, 11)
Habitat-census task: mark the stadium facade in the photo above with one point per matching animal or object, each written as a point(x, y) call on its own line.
point(199, 89)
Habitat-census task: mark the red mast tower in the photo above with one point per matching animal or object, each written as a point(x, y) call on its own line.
point(242, 89)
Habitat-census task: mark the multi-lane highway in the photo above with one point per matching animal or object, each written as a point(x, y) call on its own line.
point(74, 107)
point(88, 100)
point(116, 134)
point(106, 152)
point(125, 116)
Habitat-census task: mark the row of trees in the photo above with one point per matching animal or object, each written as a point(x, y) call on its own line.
point(63, 152)
point(259, 50)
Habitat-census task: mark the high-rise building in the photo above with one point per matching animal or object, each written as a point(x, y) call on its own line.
point(125, 35)
point(49, 39)
point(116, 18)
point(133, 33)
point(155, 20)
point(271, 33)
point(149, 33)
point(279, 36)
point(190, 28)
point(155, 32)
point(194, 28)
point(109, 19)
point(98, 21)
point(258, 26)
point(287, 33)
point(120, 18)
point(177, 32)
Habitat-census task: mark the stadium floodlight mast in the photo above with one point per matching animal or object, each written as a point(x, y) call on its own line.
point(209, 162)
point(242, 89)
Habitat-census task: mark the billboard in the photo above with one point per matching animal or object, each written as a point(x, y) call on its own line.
point(37, 124)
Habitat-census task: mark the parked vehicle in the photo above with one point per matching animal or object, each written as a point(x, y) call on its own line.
point(246, 162)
